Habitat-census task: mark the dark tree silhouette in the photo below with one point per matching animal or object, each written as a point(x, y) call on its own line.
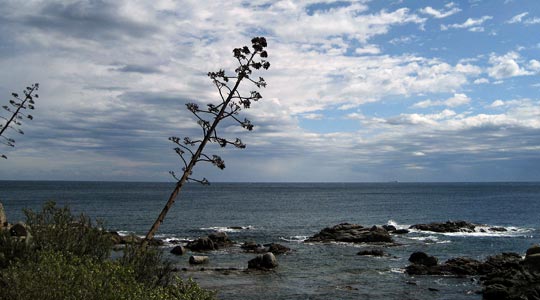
point(16, 114)
point(230, 104)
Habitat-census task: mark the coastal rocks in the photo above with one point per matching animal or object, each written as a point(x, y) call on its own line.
point(212, 242)
point(352, 233)
point(422, 258)
point(198, 260)
point(252, 247)
point(3, 218)
point(449, 226)
point(423, 264)
point(266, 261)
point(278, 249)
point(202, 244)
point(178, 250)
point(506, 276)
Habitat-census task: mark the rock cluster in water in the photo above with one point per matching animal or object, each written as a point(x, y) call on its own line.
point(505, 276)
point(352, 233)
point(453, 226)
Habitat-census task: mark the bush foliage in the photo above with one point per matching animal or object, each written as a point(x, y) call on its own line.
point(67, 257)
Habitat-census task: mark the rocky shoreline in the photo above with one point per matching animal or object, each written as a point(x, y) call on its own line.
point(502, 276)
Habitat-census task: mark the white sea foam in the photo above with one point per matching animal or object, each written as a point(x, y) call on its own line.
point(479, 231)
point(228, 228)
point(295, 238)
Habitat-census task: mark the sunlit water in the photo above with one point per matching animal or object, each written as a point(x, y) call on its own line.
point(288, 213)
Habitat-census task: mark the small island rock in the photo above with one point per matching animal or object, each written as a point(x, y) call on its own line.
point(352, 233)
point(266, 261)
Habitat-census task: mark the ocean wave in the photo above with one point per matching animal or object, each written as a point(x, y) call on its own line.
point(228, 228)
point(430, 239)
point(295, 238)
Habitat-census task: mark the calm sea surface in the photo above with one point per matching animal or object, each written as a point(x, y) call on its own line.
point(287, 213)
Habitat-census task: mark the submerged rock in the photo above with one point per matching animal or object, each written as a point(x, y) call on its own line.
point(278, 249)
point(198, 260)
point(352, 233)
point(422, 258)
point(202, 244)
point(448, 226)
point(178, 250)
point(371, 252)
point(266, 261)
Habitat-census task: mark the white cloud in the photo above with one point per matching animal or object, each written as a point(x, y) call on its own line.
point(481, 81)
point(471, 24)
point(532, 21)
point(534, 65)
point(368, 49)
point(506, 66)
point(497, 103)
point(439, 14)
point(517, 18)
point(454, 101)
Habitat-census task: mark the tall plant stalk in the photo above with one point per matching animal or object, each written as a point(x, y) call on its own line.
point(231, 104)
point(18, 104)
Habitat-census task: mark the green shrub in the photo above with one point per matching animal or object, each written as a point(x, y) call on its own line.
point(57, 229)
point(12, 249)
point(56, 275)
point(148, 264)
point(66, 257)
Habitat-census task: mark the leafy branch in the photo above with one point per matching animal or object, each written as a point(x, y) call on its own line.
point(231, 102)
point(16, 113)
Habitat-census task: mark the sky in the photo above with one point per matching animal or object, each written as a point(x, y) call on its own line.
point(358, 91)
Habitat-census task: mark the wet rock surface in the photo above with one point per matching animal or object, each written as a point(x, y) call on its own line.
point(506, 276)
point(448, 226)
point(352, 233)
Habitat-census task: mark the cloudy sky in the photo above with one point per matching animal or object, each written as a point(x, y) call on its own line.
point(357, 91)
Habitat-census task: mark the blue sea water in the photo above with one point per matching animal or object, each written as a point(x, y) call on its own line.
point(287, 213)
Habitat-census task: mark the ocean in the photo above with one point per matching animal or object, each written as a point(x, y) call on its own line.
point(288, 213)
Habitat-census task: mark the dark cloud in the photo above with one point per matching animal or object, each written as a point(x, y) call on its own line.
point(93, 19)
point(139, 69)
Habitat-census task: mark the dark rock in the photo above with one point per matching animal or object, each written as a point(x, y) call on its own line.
point(277, 249)
point(3, 218)
point(532, 262)
point(252, 247)
point(371, 252)
point(235, 227)
point(535, 249)
point(400, 231)
point(462, 266)
point(266, 261)
point(495, 292)
point(433, 289)
point(421, 258)
point(389, 228)
point(18, 230)
point(498, 229)
point(352, 233)
point(449, 226)
point(220, 239)
point(178, 250)
point(202, 244)
point(198, 260)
